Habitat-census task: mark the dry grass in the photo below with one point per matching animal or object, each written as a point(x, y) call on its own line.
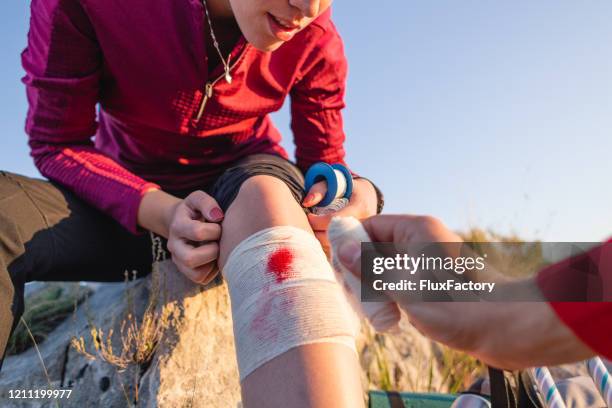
point(138, 339)
point(454, 370)
point(459, 370)
point(386, 379)
point(42, 362)
point(509, 254)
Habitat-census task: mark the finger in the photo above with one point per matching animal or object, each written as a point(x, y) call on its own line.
point(204, 204)
point(201, 275)
point(349, 254)
point(353, 209)
point(321, 222)
point(321, 236)
point(196, 230)
point(206, 274)
point(315, 194)
point(192, 257)
point(385, 228)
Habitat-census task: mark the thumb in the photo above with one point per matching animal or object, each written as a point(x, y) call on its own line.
point(315, 194)
point(349, 254)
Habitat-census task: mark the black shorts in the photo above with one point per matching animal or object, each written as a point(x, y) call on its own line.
point(226, 187)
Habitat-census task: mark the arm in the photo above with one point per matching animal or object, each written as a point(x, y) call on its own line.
point(317, 100)
point(586, 277)
point(544, 338)
point(63, 68)
point(489, 331)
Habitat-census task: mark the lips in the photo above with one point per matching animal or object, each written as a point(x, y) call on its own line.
point(282, 29)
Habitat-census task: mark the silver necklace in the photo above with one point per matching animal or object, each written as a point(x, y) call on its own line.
point(226, 65)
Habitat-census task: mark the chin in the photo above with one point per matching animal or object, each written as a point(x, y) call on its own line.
point(265, 45)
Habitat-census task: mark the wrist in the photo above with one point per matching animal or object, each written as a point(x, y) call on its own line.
point(156, 211)
point(375, 196)
point(370, 195)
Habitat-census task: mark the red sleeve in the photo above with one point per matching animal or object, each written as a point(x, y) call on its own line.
point(317, 99)
point(591, 275)
point(63, 68)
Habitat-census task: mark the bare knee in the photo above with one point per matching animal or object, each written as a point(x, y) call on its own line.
point(262, 202)
point(268, 192)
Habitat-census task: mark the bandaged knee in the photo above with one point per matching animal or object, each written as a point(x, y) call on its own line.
point(284, 294)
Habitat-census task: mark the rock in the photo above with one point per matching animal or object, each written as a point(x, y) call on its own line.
point(197, 366)
point(65, 368)
point(194, 364)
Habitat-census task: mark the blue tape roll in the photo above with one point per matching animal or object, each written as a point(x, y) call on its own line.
point(323, 171)
point(349, 179)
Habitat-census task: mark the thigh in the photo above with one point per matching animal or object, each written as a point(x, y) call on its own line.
point(57, 236)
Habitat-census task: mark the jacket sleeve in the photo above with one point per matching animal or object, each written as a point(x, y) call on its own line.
point(317, 99)
point(63, 65)
point(587, 278)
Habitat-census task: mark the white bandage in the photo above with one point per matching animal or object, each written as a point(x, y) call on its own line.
point(384, 316)
point(284, 294)
point(341, 180)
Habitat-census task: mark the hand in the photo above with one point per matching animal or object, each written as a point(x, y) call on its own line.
point(489, 331)
point(362, 204)
point(193, 235)
point(439, 321)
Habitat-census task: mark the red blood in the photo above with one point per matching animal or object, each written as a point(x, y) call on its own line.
point(261, 326)
point(279, 263)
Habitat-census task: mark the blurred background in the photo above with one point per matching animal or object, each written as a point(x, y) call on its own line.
point(495, 115)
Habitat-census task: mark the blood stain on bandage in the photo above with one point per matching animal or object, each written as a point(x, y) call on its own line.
point(279, 264)
point(262, 326)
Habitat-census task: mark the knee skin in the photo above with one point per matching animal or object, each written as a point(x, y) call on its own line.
point(262, 202)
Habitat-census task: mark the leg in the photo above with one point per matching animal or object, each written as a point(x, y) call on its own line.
point(47, 233)
point(323, 374)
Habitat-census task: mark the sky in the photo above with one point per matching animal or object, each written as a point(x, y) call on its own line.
point(493, 114)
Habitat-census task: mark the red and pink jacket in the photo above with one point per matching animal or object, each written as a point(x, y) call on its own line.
point(161, 119)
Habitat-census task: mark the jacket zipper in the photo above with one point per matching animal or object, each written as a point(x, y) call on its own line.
point(208, 92)
point(208, 88)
